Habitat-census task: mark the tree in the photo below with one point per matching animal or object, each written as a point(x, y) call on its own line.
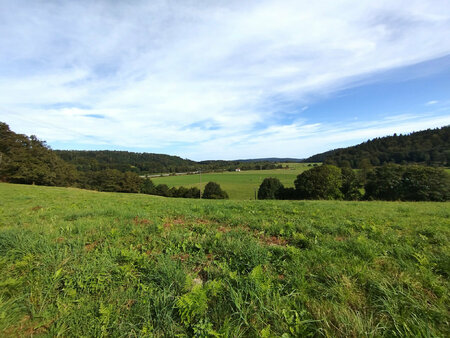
point(28, 160)
point(193, 193)
point(322, 182)
point(162, 190)
point(408, 183)
point(384, 183)
point(148, 187)
point(350, 185)
point(271, 188)
point(131, 182)
point(214, 191)
point(425, 184)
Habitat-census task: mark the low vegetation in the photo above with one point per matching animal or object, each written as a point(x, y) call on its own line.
point(85, 263)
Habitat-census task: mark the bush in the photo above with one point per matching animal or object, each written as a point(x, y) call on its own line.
point(271, 188)
point(214, 191)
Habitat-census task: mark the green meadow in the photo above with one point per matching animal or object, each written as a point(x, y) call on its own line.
point(239, 185)
point(84, 263)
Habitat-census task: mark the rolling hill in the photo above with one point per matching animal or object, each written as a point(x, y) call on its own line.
point(430, 147)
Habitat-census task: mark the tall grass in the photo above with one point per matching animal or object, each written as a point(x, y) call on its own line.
point(82, 263)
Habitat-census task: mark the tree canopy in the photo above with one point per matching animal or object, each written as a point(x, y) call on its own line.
point(430, 147)
point(408, 183)
point(28, 160)
point(270, 188)
point(322, 182)
point(214, 191)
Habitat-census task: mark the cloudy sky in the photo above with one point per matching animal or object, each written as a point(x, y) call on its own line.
point(223, 79)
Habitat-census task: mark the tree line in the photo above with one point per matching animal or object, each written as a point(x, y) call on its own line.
point(148, 163)
point(429, 147)
point(28, 160)
point(390, 182)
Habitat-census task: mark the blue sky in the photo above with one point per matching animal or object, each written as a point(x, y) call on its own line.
point(223, 79)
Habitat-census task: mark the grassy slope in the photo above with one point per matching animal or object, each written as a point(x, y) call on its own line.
point(238, 185)
point(76, 262)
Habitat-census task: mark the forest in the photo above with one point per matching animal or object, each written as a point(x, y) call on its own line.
point(429, 147)
point(148, 163)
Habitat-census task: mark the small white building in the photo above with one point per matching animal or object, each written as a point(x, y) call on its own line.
point(238, 169)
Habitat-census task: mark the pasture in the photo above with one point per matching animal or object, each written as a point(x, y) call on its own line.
point(84, 263)
point(239, 185)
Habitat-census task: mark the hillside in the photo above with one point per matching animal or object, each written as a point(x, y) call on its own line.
point(430, 147)
point(84, 263)
point(145, 163)
point(90, 160)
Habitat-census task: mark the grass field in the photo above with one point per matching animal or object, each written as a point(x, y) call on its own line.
point(84, 263)
point(238, 185)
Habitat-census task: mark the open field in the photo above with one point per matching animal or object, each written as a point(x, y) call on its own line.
point(238, 185)
point(84, 263)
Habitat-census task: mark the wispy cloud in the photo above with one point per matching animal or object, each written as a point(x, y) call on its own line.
point(203, 79)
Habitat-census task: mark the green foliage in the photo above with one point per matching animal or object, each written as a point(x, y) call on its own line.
point(270, 188)
point(350, 185)
point(162, 190)
point(430, 147)
point(148, 187)
point(193, 305)
point(408, 183)
point(214, 191)
point(28, 160)
point(323, 182)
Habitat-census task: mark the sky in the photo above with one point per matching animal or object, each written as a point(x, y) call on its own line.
point(223, 79)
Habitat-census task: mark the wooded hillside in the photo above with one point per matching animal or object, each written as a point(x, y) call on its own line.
point(430, 147)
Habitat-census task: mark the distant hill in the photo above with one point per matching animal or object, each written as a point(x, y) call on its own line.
point(144, 163)
point(273, 159)
point(430, 147)
point(94, 160)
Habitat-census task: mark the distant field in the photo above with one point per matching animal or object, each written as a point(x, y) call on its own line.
point(77, 263)
point(238, 185)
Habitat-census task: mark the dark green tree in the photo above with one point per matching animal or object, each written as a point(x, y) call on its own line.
point(162, 190)
point(192, 193)
point(131, 182)
point(384, 183)
point(270, 188)
point(425, 184)
point(28, 160)
point(350, 185)
point(148, 187)
point(322, 182)
point(214, 191)
point(408, 183)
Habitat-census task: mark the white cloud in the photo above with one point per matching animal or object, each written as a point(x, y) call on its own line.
point(156, 70)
